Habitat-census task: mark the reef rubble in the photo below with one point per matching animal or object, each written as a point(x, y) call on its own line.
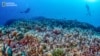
point(49, 37)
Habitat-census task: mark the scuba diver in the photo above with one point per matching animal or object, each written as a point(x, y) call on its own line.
point(26, 11)
point(88, 10)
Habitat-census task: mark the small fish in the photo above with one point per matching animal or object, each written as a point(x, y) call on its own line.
point(88, 10)
point(26, 11)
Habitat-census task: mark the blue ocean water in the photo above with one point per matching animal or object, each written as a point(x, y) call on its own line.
point(59, 9)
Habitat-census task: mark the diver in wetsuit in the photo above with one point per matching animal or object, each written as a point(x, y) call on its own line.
point(26, 11)
point(88, 10)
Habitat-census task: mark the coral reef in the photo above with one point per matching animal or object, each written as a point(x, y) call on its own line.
point(42, 36)
point(58, 52)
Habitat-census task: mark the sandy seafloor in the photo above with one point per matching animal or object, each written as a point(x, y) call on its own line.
point(49, 37)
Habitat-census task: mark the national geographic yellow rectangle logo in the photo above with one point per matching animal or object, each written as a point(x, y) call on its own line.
point(6, 4)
